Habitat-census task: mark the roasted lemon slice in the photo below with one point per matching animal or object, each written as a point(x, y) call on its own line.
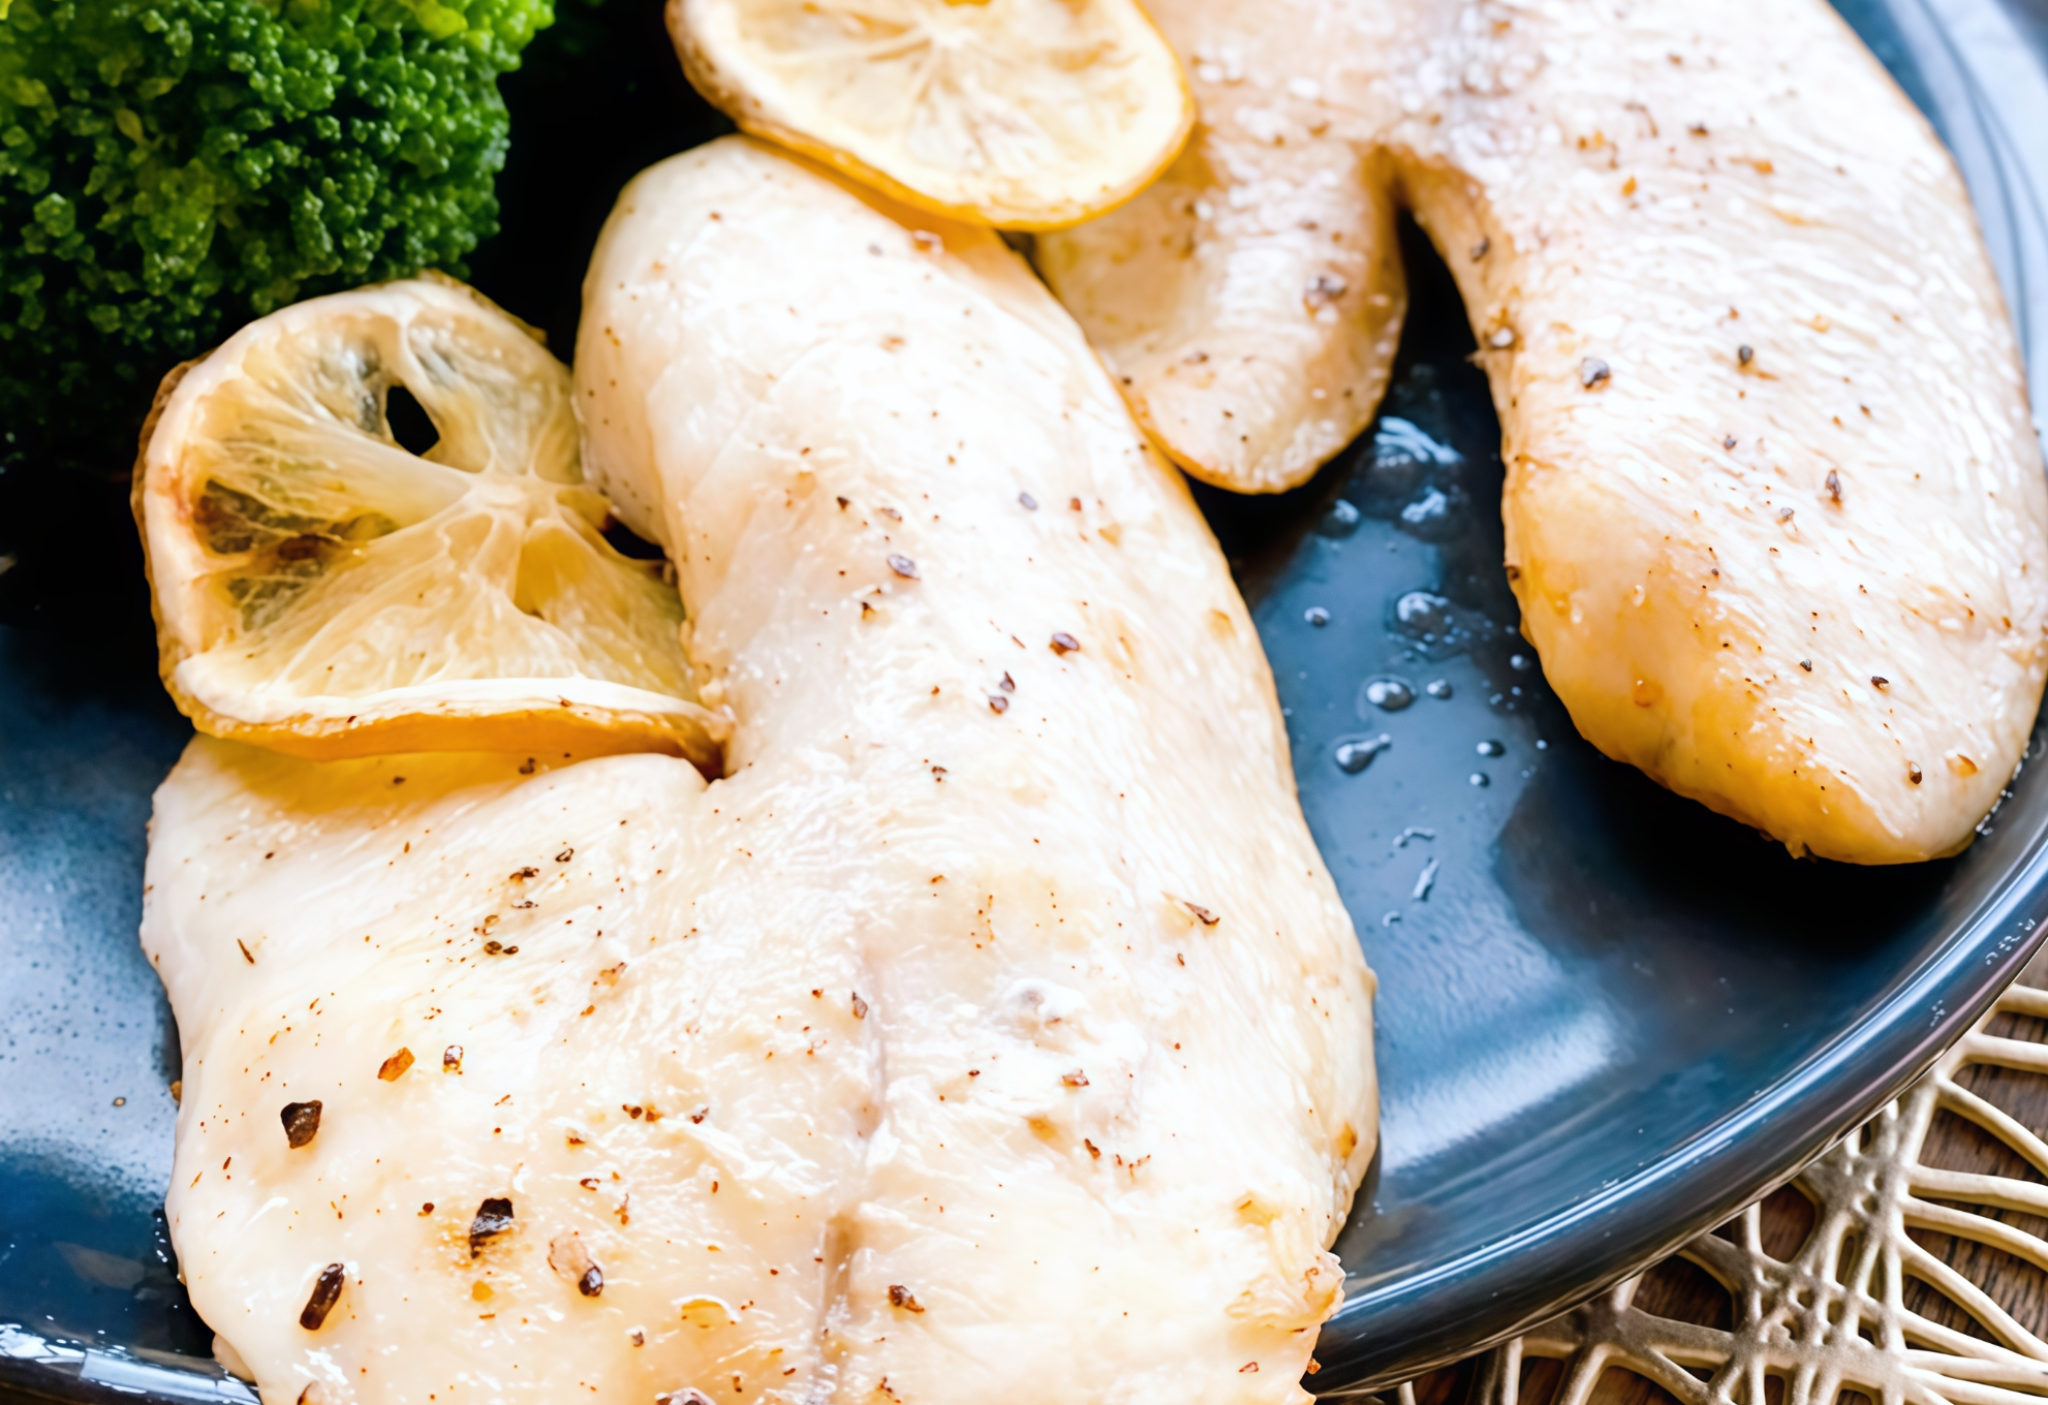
point(323, 591)
point(1023, 114)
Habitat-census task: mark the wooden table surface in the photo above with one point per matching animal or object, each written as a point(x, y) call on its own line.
point(1681, 1290)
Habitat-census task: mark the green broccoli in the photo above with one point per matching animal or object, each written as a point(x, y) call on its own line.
point(170, 168)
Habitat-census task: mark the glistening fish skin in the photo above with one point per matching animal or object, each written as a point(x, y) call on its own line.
point(1775, 512)
point(934, 1044)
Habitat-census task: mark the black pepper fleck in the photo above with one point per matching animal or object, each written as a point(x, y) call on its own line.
point(301, 1122)
point(326, 1293)
point(493, 1218)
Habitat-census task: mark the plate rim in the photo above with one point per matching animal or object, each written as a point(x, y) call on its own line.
point(1626, 1226)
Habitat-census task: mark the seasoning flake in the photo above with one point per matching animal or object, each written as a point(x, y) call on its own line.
point(1323, 290)
point(326, 1293)
point(493, 1218)
point(301, 1122)
point(569, 1259)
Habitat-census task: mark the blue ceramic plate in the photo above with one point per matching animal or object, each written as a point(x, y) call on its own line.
point(1608, 1019)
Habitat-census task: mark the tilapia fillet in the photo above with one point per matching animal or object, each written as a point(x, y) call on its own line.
point(992, 1025)
point(1775, 510)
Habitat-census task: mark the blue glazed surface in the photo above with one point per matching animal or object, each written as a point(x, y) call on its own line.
point(1607, 1018)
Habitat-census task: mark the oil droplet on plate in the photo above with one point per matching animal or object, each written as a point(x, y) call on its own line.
point(1341, 520)
point(1354, 754)
point(1388, 694)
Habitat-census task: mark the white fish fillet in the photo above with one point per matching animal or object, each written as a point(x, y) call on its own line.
point(1775, 511)
point(993, 1022)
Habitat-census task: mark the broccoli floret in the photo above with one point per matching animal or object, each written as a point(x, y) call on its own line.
point(170, 168)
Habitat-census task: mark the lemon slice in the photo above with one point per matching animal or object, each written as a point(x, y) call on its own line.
point(1023, 114)
point(321, 590)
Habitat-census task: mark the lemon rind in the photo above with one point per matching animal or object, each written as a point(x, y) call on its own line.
point(578, 729)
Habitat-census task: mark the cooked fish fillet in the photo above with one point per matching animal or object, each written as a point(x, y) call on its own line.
point(993, 1015)
point(1250, 302)
point(1775, 511)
